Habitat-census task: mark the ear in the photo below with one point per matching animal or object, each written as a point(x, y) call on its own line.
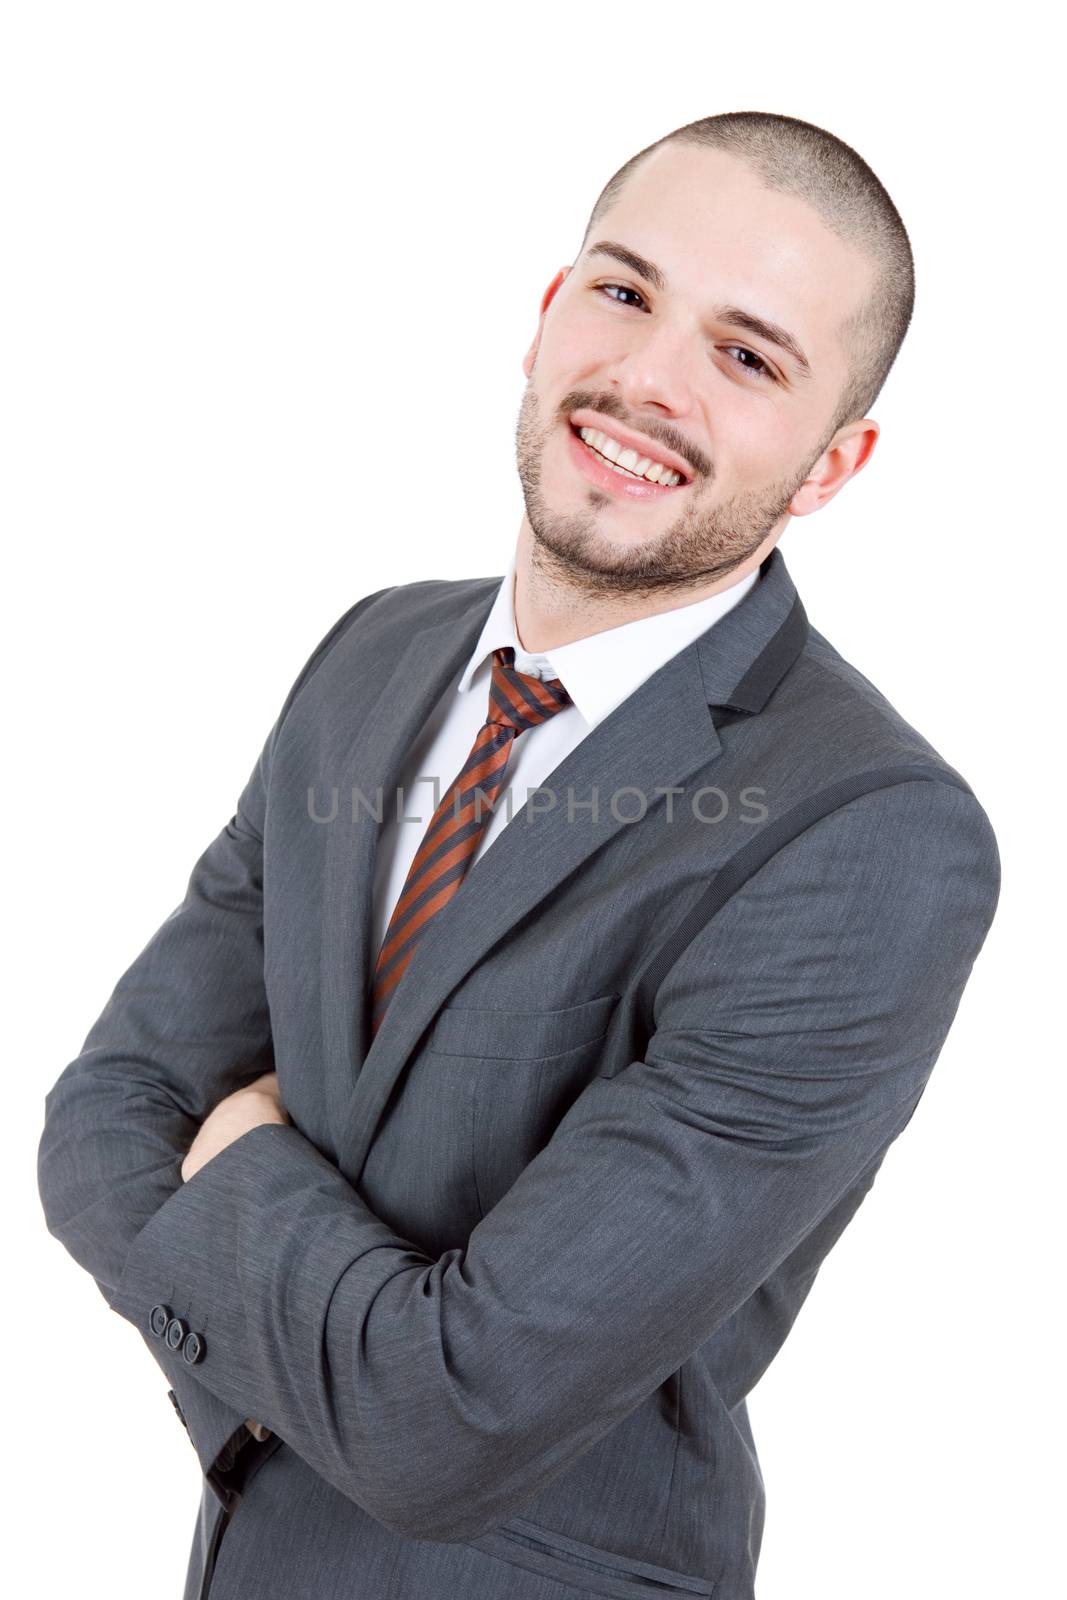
point(546, 300)
point(848, 453)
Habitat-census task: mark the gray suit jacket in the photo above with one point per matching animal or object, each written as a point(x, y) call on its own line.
point(501, 1288)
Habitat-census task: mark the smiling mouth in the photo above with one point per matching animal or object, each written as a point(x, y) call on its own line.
point(628, 463)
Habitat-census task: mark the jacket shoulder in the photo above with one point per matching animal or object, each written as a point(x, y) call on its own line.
point(390, 613)
point(833, 721)
point(856, 717)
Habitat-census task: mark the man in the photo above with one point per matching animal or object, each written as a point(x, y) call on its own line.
point(464, 1174)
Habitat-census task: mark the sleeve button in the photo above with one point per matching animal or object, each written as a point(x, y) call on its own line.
point(158, 1318)
point(175, 1333)
point(193, 1349)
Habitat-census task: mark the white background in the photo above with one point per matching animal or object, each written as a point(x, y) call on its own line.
point(269, 272)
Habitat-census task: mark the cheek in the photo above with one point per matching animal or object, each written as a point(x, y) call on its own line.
point(582, 355)
point(579, 341)
point(753, 438)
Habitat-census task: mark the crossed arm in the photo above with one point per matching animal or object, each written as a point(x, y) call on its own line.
point(793, 1040)
point(251, 1107)
point(187, 1025)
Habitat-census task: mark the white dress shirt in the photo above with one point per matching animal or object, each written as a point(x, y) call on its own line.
point(598, 672)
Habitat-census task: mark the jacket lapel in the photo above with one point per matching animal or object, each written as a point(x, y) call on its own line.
point(373, 763)
point(657, 737)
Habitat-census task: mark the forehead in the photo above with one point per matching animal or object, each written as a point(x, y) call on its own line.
point(720, 236)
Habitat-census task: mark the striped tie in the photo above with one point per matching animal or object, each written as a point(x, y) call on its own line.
point(517, 701)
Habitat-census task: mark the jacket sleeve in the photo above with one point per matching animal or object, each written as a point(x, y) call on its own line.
point(793, 1039)
point(186, 1024)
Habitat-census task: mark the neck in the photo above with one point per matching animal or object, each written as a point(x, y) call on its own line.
point(555, 604)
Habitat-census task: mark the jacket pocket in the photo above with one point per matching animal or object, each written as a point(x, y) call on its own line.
point(515, 1073)
point(510, 1033)
point(586, 1567)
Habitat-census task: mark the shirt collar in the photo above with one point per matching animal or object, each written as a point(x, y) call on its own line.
point(600, 671)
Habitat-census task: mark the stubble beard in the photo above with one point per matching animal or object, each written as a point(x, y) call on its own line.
point(700, 546)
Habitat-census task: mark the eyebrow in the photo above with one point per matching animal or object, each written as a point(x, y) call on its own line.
point(736, 316)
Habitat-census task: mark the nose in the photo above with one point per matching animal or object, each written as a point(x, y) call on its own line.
point(654, 372)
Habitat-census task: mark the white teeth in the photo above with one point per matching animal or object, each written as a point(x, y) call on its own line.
point(626, 461)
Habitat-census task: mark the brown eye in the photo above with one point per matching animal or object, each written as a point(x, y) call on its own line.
point(602, 288)
point(760, 370)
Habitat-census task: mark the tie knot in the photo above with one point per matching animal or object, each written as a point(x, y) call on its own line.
point(519, 700)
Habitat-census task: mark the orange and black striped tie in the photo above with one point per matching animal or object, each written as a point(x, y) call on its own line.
point(517, 701)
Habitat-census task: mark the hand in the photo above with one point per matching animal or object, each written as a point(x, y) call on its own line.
point(257, 1103)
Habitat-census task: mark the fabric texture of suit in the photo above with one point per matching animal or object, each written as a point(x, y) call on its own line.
point(502, 1287)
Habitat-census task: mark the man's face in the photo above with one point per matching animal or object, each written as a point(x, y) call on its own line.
point(668, 370)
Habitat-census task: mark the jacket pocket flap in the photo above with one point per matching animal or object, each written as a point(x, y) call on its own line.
point(513, 1034)
point(588, 1568)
